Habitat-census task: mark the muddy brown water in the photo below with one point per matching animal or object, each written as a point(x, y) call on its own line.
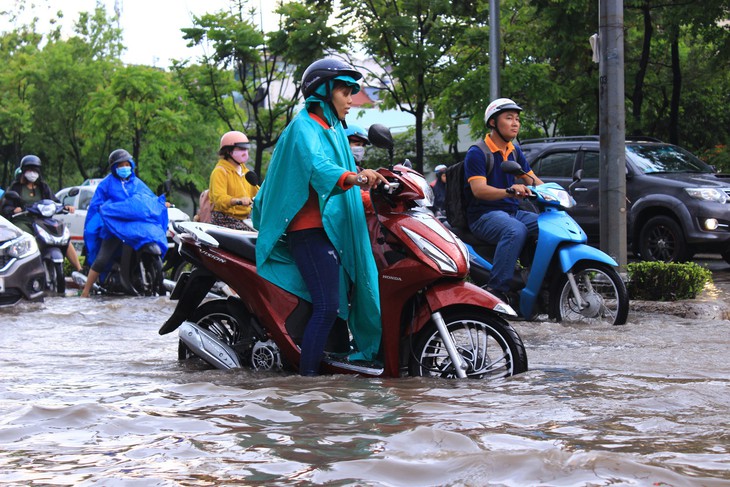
point(90, 394)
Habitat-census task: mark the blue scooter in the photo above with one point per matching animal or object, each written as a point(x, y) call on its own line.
point(559, 274)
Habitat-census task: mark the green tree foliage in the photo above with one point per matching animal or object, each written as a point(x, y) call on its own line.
point(249, 78)
point(411, 41)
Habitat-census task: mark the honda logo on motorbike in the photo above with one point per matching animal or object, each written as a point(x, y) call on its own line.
point(392, 278)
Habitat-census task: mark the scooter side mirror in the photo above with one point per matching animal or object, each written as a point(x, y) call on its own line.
point(513, 168)
point(380, 136)
point(73, 191)
point(12, 195)
point(252, 178)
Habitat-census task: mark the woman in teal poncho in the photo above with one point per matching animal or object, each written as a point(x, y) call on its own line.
point(313, 237)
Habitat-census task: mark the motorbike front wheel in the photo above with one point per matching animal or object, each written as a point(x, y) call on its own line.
point(603, 293)
point(491, 348)
point(55, 279)
point(147, 276)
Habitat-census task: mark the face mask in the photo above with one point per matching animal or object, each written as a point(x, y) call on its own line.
point(31, 176)
point(358, 153)
point(240, 155)
point(124, 172)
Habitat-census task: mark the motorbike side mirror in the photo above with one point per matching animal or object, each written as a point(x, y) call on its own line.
point(576, 179)
point(73, 191)
point(12, 195)
point(514, 168)
point(252, 178)
point(381, 138)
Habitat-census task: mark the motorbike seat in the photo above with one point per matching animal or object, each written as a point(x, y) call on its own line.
point(239, 242)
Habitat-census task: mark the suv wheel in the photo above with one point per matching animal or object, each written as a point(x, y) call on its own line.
point(662, 239)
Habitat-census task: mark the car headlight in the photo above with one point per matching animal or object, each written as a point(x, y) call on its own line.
point(20, 247)
point(707, 194)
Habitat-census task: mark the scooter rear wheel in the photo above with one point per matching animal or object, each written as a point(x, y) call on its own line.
point(216, 317)
point(491, 347)
point(601, 288)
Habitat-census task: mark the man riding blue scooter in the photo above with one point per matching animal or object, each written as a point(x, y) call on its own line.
point(493, 197)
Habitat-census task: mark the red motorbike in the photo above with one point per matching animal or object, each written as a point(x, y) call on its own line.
point(434, 323)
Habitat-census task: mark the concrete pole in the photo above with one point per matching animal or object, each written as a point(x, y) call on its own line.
point(494, 49)
point(612, 131)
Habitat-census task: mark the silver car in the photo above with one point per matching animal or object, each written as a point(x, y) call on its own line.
point(21, 269)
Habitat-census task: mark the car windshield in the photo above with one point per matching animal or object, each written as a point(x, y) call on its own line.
point(655, 158)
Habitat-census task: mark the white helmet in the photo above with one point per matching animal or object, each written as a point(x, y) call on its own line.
point(498, 106)
point(440, 168)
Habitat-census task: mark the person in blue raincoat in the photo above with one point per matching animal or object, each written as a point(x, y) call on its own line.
point(123, 210)
point(313, 238)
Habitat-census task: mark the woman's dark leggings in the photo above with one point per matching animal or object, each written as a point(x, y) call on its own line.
point(107, 250)
point(319, 264)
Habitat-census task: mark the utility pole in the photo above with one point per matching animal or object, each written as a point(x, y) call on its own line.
point(612, 130)
point(494, 47)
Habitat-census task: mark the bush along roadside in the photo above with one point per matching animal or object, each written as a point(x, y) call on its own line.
point(662, 281)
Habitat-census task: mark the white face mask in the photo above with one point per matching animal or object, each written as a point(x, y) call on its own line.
point(358, 152)
point(32, 176)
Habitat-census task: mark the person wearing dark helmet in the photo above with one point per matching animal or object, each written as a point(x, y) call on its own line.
point(230, 193)
point(313, 238)
point(439, 189)
point(123, 209)
point(493, 198)
point(29, 185)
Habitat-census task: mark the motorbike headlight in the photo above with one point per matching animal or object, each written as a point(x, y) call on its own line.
point(20, 247)
point(443, 261)
point(47, 209)
point(707, 194)
point(559, 196)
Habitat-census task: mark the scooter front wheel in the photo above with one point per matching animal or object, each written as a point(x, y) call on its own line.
point(603, 295)
point(491, 348)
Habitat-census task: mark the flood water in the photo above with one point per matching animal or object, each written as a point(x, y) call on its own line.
point(90, 394)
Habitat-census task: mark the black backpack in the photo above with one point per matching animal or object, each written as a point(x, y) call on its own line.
point(455, 200)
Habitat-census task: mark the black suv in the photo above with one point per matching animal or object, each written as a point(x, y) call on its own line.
point(677, 205)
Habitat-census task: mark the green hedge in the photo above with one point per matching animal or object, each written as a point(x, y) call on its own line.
point(661, 281)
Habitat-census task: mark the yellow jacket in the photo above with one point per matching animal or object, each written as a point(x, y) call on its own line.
point(226, 184)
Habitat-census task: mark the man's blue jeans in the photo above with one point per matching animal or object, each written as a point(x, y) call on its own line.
point(509, 232)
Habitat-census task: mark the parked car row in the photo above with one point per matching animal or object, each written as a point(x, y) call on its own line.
point(677, 205)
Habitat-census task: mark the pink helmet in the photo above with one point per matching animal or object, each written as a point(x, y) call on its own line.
point(236, 139)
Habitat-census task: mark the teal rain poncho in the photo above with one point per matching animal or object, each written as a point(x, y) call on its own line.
point(309, 155)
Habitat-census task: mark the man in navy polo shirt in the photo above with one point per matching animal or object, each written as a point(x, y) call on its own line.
point(493, 203)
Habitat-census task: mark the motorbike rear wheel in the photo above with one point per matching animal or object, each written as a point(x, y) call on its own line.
point(600, 286)
point(489, 345)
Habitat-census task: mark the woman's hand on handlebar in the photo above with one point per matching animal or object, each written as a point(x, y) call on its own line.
point(367, 178)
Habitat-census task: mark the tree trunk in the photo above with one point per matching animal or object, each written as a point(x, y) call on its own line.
point(676, 90)
point(637, 96)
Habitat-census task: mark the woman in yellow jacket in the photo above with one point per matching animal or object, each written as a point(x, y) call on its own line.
point(230, 193)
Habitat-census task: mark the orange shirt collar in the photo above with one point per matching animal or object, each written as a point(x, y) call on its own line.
point(319, 120)
point(493, 147)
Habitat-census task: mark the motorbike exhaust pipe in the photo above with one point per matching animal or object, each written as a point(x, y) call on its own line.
point(207, 346)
